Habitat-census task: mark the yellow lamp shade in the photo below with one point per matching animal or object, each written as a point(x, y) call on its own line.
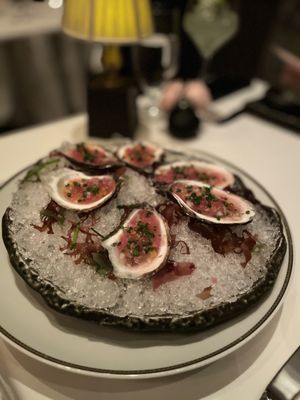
point(108, 21)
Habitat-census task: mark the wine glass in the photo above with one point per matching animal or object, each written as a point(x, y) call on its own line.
point(210, 24)
point(156, 58)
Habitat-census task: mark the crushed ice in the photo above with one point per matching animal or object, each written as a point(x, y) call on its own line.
point(81, 283)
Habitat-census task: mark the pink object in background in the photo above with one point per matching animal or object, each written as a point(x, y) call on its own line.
point(198, 94)
point(195, 91)
point(171, 93)
point(290, 75)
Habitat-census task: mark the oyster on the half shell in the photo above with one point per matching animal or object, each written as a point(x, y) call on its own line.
point(141, 246)
point(89, 156)
point(141, 155)
point(211, 204)
point(75, 190)
point(202, 171)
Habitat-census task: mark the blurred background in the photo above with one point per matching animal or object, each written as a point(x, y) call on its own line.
point(46, 75)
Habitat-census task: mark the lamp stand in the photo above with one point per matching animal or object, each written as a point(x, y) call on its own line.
point(111, 98)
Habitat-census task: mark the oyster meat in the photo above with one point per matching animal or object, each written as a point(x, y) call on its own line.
point(89, 156)
point(141, 246)
point(211, 204)
point(205, 172)
point(75, 190)
point(141, 155)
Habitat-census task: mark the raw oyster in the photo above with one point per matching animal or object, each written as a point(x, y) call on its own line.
point(75, 190)
point(211, 204)
point(141, 246)
point(205, 172)
point(141, 155)
point(89, 156)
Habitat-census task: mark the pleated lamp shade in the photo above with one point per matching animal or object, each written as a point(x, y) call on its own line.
point(108, 21)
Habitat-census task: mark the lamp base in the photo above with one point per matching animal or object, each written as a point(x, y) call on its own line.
point(111, 107)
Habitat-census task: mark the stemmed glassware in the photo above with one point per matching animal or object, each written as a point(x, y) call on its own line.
point(156, 57)
point(210, 24)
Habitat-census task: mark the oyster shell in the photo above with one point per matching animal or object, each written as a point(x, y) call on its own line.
point(205, 172)
point(211, 204)
point(75, 190)
point(140, 155)
point(141, 246)
point(89, 156)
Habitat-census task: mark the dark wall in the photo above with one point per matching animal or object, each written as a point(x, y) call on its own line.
point(239, 58)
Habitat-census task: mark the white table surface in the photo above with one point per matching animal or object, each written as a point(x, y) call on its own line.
point(271, 155)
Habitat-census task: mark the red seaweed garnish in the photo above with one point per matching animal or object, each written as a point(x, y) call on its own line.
point(81, 251)
point(184, 248)
point(247, 245)
point(224, 241)
point(172, 270)
point(90, 250)
point(171, 212)
point(205, 294)
point(50, 215)
point(119, 172)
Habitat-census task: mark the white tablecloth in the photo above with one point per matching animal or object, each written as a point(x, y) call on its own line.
point(271, 155)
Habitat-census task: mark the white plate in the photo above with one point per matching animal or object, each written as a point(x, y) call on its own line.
point(83, 347)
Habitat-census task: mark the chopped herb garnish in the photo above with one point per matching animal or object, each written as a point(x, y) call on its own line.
point(202, 176)
point(209, 197)
point(102, 262)
point(137, 156)
point(148, 249)
point(87, 156)
point(147, 243)
point(136, 251)
point(195, 198)
point(75, 236)
point(33, 174)
point(131, 242)
point(93, 189)
point(178, 170)
point(143, 228)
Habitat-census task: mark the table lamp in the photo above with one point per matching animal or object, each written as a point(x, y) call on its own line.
point(113, 23)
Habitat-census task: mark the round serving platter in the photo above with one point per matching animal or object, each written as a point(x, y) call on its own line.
point(87, 348)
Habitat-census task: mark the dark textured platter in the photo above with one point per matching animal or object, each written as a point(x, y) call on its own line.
point(170, 323)
point(196, 320)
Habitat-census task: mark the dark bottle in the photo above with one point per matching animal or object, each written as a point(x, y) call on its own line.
point(111, 99)
point(183, 121)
